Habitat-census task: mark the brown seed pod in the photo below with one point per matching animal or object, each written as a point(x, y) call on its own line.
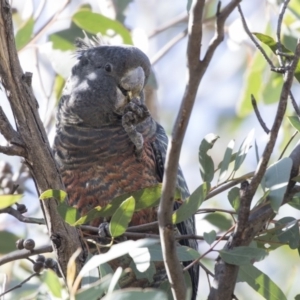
point(38, 267)
point(19, 244)
point(50, 263)
point(29, 244)
point(41, 258)
point(21, 208)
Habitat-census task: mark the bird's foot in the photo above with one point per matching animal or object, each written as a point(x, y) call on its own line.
point(134, 113)
point(103, 230)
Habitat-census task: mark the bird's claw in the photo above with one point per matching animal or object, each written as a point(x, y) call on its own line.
point(134, 114)
point(103, 230)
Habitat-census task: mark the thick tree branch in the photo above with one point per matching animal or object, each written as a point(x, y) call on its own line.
point(39, 156)
point(197, 69)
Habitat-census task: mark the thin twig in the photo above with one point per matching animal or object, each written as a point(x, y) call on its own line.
point(183, 17)
point(258, 46)
point(15, 213)
point(278, 31)
point(42, 30)
point(259, 118)
point(207, 271)
point(39, 10)
point(8, 131)
point(212, 210)
point(168, 46)
point(294, 103)
point(225, 186)
point(20, 284)
point(211, 248)
point(20, 254)
point(288, 143)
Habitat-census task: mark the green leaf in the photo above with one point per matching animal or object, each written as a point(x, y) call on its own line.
point(115, 252)
point(52, 282)
point(242, 255)
point(151, 271)
point(96, 290)
point(295, 122)
point(8, 200)
point(234, 198)
point(289, 233)
point(219, 220)
point(24, 34)
point(95, 23)
point(271, 43)
point(144, 198)
point(191, 205)
point(188, 284)
point(210, 237)
point(184, 253)
point(60, 43)
point(295, 202)
point(277, 178)
point(206, 162)
point(105, 269)
point(10, 242)
point(269, 241)
point(253, 84)
point(244, 148)
point(121, 218)
point(260, 282)
point(272, 88)
point(142, 258)
point(120, 6)
point(59, 195)
point(226, 160)
point(69, 213)
point(136, 294)
point(256, 152)
point(59, 83)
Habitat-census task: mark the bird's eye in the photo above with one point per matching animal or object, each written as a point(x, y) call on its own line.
point(108, 67)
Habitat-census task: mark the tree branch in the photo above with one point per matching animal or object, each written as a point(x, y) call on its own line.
point(39, 156)
point(197, 69)
point(20, 254)
point(226, 274)
point(15, 213)
point(20, 284)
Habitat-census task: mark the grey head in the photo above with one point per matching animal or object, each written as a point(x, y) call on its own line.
point(102, 82)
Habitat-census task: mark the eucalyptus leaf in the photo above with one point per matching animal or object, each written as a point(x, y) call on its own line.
point(121, 218)
point(95, 23)
point(234, 198)
point(9, 200)
point(24, 34)
point(206, 162)
point(244, 148)
point(276, 179)
point(242, 255)
point(191, 205)
point(226, 160)
point(260, 282)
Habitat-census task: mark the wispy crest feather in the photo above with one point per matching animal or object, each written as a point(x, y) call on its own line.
point(83, 44)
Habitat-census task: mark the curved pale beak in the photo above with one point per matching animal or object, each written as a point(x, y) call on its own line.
point(133, 82)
